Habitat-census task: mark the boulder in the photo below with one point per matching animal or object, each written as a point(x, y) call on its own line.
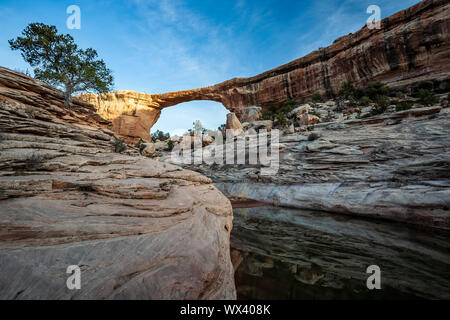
point(308, 119)
point(233, 124)
point(250, 114)
point(262, 124)
point(291, 129)
point(149, 149)
point(299, 111)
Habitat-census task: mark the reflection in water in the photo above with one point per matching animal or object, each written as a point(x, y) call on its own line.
point(296, 254)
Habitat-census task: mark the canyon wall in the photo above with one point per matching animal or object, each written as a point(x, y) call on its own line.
point(411, 48)
point(137, 228)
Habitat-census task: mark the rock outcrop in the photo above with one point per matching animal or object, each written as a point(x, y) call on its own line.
point(392, 166)
point(233, 124)
point(137, 228)
point(412, 48)
point(132, 114)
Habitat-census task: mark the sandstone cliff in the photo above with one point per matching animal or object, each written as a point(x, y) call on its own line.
point(132, 114)
point(412, 48)
point(137, 228)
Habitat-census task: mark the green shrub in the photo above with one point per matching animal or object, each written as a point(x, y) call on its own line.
point(278, 113)
point(382, 102)
point(170, 145)
point(159, 135)
point(281, 119)
point(376, 89)
point(119, 145)
point(426, 97)
point(404, 105)
point(347, 90)
point(364, 101)
point(313, 136)
point(316, 97)
point(352, 101)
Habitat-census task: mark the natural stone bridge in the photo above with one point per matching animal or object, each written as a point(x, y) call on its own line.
point(411, 48)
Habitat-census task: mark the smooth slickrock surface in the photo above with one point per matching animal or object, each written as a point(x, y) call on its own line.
point(410, 49)
point(138, 228)
point(393, 166)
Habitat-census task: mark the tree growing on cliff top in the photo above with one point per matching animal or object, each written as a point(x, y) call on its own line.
point(60, 63)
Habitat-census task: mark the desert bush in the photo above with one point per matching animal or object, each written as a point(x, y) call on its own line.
point(382, 102)
point(281, 119)
point(119, 145)
point(364, 101)
point(159, 135)
point(376, 89)
point(347, 90)
point(352, 101)
point(170, 145)
point(313, 136)
point(404, 105)
point(60, 63)
point(426, 97)
point(316, 97)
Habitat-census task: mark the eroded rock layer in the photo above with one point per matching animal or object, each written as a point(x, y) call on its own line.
point(392, 166)
point(132, 114)
point(137, 228)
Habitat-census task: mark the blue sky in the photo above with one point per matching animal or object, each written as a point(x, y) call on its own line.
point(157, 46)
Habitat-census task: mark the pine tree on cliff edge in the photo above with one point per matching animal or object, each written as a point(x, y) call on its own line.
point(59, 63)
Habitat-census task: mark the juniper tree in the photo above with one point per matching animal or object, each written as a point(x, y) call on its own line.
point(60, 63)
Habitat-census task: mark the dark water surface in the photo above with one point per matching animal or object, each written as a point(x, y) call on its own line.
point(301, 254)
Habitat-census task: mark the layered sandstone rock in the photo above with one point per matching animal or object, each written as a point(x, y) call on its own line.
point(137, 228)
point(132, 114)
point(392, 166)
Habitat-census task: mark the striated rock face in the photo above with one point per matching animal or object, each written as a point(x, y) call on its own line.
point(132, 114)
point(137, 228)
point(393, 166)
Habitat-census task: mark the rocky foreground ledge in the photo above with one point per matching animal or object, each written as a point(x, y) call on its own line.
point(137, 228)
